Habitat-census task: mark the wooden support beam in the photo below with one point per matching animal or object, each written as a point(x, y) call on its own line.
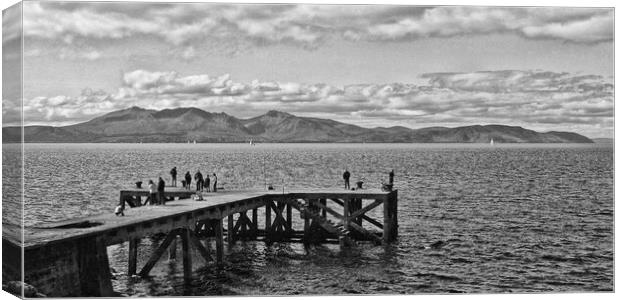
point(133, 256)
point(337, 201)
point(158, 252)
point(268, 204)
point(323, 202)
point(364, 210)
point(187, 254)
point(172, 250)
point(254, 222)
point(245, 222)
point(240, 223)
point(393, 198)
point(387, 221)
point(367, 218)
point(372, 221)
point(231, 231)
point(365, 233)
point(93, 268)
point(289, 217)
point(306, 227)
point(358, 206)
point(219, 240)
point(204, 252)
point(279, 223)
point(329, 210)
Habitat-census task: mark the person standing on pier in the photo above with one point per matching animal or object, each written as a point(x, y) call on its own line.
point(207, 184)
point(188, 180)
point(214, 183)
point(152, 193)
point(173, 174)
point(199, 181)
point(160, 191)
point(391, 177)
point(346, 175)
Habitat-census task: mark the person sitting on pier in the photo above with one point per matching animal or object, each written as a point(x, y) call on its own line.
point(173, 174)
point(118, 211)
point(391, 177)
point(199, 181)
point(214, 183)
point(188, 180)
point(207, 184)
point(160, 191)
point(346, 175)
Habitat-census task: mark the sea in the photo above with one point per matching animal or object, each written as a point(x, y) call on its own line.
point(473, 218)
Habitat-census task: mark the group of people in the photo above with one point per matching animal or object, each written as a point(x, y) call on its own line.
point(207, 184)
point(347, 175)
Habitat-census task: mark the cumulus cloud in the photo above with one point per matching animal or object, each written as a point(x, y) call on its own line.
point(531, 98)
point(307, 25)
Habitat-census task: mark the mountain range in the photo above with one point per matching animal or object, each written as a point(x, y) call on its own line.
point(136, 124)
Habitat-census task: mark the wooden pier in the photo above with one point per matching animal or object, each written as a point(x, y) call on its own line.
point(69, 258)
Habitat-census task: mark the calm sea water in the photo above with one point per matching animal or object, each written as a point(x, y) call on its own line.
point(510, 218)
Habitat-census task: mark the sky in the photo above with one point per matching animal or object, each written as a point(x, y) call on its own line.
point(542, 68)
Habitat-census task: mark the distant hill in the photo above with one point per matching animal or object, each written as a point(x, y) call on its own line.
point(188, 124)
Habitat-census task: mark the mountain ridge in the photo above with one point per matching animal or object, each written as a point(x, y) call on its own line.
point(136, 124)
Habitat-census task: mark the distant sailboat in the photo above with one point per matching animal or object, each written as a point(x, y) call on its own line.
point(491, 143)
point(194, 141)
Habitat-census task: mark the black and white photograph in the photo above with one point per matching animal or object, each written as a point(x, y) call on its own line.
point(169, 149)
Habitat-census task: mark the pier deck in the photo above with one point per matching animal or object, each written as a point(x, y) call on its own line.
point(69, 258)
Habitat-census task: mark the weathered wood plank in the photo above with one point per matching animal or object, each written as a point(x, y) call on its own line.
point(329, 210)
point(219, 240)
point(289, 217)
point(255, 222)
point(187, 254)
point(365, 232)
point(172, 250)
point(133, 256)
point(366, 218)
point(366, 209)
point(268, 204)
point(231, 231)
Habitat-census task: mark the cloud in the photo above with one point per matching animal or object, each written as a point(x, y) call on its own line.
point(518, 81)
point(530, 98)
point(569, 24)
point(308, 26)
